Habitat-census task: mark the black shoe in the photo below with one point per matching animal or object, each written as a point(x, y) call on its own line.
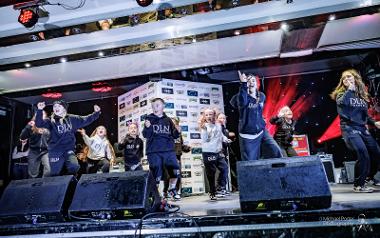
point(174, 195)
point(213, 197)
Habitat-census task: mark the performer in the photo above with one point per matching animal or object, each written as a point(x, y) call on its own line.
point(351, 98)
point(222, 120)
point(212, 138)
point(133, 148)
point(285, 130)
point(179, 148)
point(62, 127)
point(19, 161)
point(100, 152)
point(38, 143)
point(252, 132)
point(160, 132)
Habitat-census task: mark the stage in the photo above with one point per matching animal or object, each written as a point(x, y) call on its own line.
point(351, 215)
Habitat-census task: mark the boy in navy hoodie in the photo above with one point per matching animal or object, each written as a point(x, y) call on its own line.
point(160, 132)
point(62, 127)
point(252, 133)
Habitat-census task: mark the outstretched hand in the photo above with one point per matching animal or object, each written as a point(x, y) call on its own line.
point(82, 131)
point(243, 78)
point(96, 108)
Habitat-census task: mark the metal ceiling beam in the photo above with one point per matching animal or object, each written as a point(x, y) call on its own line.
point(239, 17)
point(92, 11)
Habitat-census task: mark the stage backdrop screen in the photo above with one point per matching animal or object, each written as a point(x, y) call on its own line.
point(184, 100)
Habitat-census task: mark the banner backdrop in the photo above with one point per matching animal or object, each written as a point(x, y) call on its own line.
point(184, 100)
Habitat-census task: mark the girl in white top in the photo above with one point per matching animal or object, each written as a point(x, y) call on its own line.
point(99, 150)
point(212, 138)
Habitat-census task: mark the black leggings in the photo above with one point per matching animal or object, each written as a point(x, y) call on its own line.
point(94, 165)
point(367, 152)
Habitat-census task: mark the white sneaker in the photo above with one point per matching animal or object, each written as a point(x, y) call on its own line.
point(363, 189)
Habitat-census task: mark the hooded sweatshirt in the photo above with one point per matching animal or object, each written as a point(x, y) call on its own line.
point(160, 135)
point(99, 148)
point(133, 149)
point(353, 110)
point(37, 141)
point(62, 136)
point(251, 121)
point(212, 138)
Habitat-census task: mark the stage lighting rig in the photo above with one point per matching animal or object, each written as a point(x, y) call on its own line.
point(144, 3)
point(30, 12)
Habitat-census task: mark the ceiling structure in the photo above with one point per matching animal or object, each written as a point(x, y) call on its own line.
point(224, 51)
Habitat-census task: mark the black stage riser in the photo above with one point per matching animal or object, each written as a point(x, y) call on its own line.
point(296, 183)
point(115, 195)
point(37, 200)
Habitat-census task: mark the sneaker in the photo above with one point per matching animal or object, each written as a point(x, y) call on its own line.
point(362, 189)
point(213, 197)
point(373, 182)
point(174, 195)
point(221, 193)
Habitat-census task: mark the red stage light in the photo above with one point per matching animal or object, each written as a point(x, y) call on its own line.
point(101, 87)
point(52, 95)
point(333, 131)
point(144, 3)
point(28, 17)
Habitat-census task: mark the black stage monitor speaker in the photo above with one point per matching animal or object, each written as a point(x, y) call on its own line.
point(297, 183)
point(115, 196)
point(37, 200)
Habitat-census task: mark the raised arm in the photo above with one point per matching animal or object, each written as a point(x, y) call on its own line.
point(40, 122)
point(83, 121)
point(148, 129)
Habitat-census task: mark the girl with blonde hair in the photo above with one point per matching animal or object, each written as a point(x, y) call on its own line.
point(351, 97)
point(285, 130)
point(100, 152)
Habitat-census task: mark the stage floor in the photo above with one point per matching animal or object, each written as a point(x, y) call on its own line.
point(343, 198)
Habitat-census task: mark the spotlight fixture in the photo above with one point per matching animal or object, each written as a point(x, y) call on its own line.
point(100, 53)
point(237, 32)
point(28, 17)
point(332, 17)
point(144, 3)
point(30, 12)
point(63, 60)
point(284, 26)
point(27, 65)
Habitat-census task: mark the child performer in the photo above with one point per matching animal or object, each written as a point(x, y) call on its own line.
point(351, 99)
point(133, 148)
point(38, 143)
point(179, 147)
point(62, 127)
point(212, 138)
point(285, 130)
point(100, 152)
point(160, 132)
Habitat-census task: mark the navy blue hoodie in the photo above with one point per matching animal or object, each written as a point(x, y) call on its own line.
point(62, 136)
point(160, 135)
point(251, 119)
point(353, 110)
point(133, 149)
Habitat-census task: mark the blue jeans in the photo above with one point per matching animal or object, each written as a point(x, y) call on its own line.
point(263, 145)
point(269, 147)
point(366, 149)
